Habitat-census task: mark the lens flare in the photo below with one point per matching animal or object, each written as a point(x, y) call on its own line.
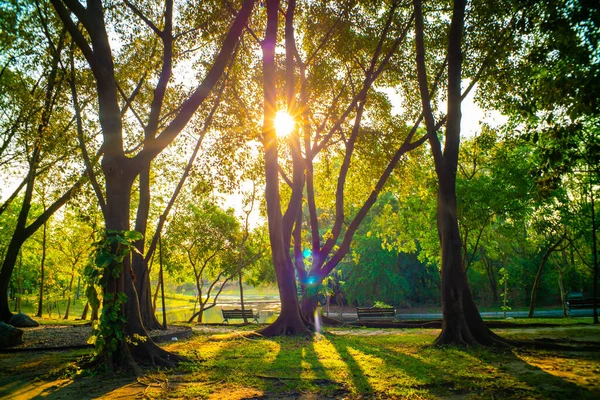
point(284, 123)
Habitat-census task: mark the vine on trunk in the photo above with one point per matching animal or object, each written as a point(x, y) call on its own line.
point(108, 255)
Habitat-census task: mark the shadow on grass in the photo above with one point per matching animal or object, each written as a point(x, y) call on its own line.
point(297, 369)
point(564, 375)
point(379, 365)
point(47, 374)
point(401, 364)
point(388, 365)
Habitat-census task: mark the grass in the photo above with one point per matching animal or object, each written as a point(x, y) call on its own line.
point(340, 363)
point(549, 321)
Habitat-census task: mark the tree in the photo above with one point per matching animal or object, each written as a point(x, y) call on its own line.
point(203, 240)
point(71, 238)
point(550, 94)
point(120, 169)
point(334, 132)
point(27, 135)
point(462, 323)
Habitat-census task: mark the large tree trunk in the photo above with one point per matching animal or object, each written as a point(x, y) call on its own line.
point(289, 321)
point(462, 323)
point(308, 306)
point(10, 260)
point(119, 180)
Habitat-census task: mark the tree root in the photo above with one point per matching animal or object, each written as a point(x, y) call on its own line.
point(462, 334)
point(149, 353)
point(331, 321)
point(284, 327)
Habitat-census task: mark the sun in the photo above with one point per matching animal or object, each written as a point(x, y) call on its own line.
point(284, 123)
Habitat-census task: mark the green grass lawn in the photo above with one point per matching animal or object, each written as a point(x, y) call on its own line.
point(29, 306)
point(340, 363)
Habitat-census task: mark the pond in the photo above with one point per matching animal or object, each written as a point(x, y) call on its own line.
point(267, 308)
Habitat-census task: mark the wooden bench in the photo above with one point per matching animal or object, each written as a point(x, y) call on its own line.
point(581, 304)
point(375, 313)
point(239, 314)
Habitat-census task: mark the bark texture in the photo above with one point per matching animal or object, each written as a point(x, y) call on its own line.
point(289, 321)
point(462, 323)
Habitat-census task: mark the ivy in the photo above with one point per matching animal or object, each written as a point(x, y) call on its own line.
point(109, 252)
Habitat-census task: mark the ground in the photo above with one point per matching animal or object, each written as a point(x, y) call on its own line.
point(339, 363)
point(55, 336)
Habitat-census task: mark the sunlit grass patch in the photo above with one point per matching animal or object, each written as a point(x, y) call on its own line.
point(549, 321)
point(371, 362)
point(340, 363)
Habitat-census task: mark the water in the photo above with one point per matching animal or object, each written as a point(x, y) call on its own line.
point(267, 310)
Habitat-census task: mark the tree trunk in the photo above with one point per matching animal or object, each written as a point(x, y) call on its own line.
point(538, 276)
point(20, 235)
point(70, 289)
point(561, 286)
point(140, 267)
point(462, 323)
point(85, 311)
point(489, 267)
point(145, 299)
point(594, 253)
point(10, 259)
point(162, 291)
point(308, 306)
point(242, 294)
point(155, 297)
point(42, 267)
point(200, 303)
point(289, 321)
point(119, 175)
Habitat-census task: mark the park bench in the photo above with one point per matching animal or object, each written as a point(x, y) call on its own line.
point(581, 304)
point(239, 314)
point(375, 313)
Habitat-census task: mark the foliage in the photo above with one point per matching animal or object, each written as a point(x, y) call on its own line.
point(207, 245)
point(381, 304)
point(109, 253)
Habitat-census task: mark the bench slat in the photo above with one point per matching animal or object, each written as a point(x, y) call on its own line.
point(239, 314)
point(375, 313)
point(578, 304)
